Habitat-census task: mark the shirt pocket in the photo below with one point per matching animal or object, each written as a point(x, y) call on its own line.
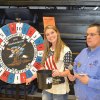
point(92, 70)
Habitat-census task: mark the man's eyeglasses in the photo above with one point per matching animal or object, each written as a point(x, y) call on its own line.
point(91, 34)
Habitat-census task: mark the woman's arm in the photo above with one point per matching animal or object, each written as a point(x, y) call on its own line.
point(29, 80)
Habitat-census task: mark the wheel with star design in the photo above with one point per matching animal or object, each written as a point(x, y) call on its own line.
point(21, 51)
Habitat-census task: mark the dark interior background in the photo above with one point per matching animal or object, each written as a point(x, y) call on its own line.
point(72, 17)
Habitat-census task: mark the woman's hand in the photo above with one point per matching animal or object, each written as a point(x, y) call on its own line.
point(29, 80)
point(62, 74)
point(56, 73)
point(71, 77)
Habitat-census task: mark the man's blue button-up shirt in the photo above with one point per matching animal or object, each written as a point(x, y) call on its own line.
point(88, 62)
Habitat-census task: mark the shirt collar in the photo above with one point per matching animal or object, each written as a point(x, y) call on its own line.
point(93, 51)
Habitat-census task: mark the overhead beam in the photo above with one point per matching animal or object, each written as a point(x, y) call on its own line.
point(48, 2)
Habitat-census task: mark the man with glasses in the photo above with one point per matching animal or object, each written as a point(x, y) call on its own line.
point(87, 66)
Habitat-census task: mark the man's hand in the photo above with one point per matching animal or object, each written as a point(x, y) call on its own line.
point(82, 78)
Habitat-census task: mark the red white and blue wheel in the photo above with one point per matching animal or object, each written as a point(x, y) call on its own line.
point(21, 51)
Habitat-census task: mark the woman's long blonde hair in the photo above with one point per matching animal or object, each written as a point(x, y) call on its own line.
point(59, 45)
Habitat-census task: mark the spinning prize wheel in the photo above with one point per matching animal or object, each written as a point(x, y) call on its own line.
point(21, 50)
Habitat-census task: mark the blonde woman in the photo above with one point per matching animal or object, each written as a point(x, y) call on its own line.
point(57, 57)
